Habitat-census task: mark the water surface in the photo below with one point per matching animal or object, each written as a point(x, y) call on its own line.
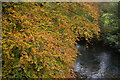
point(97, 62)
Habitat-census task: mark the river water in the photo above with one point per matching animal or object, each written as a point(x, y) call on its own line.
point(97, 62)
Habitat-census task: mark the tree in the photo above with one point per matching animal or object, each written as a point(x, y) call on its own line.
point(39, 38)
point(109, 25)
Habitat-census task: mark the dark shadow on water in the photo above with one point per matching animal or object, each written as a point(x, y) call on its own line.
point(97, 61)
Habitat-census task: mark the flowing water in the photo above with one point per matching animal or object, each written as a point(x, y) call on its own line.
point(97, 62)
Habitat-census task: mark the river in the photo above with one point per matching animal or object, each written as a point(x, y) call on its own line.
point(97, 62)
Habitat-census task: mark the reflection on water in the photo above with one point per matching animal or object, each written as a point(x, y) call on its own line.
point(96, 62)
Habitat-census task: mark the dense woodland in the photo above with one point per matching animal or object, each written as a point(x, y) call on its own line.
point(39, 38)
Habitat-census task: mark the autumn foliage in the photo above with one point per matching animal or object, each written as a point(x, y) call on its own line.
point(39, 38)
